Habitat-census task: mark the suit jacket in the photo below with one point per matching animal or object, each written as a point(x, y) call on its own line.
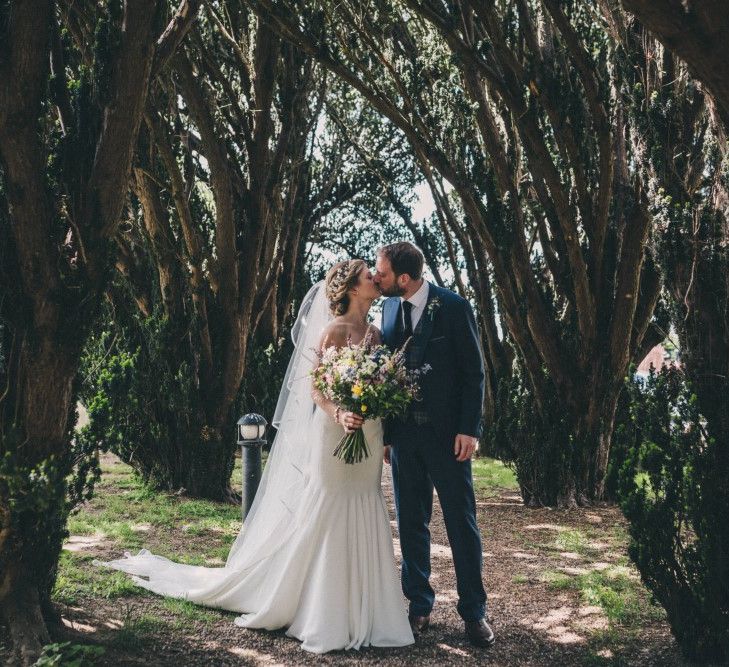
point(452, 392)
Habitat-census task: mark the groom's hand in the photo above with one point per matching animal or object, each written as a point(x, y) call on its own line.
point(465, 446)
point(386, 454)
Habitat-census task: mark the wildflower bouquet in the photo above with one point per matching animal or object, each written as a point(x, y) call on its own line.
point(368, 380)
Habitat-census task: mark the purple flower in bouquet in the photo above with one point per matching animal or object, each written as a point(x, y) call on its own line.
point(369, 380)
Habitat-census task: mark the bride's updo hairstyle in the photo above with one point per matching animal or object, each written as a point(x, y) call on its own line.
point(341, 278)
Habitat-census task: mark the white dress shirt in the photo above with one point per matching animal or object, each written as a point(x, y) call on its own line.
point(419, 299)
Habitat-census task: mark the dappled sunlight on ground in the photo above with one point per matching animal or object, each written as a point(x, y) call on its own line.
point(573, 570)
point(555, 623)
point(452, 650)
point(81, 542)
point(440, 551)
point(436, 550)
point(568, 624)
point(253, 657)
point(561, 590)
point(592, 619)
point(501, 503)
point(600, 566)
point(141, 527)
point(546, 526)
point(522, 555)
point(79, 627)
point(447, 596)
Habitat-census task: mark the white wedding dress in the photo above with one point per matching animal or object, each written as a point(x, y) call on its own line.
point(315, 555)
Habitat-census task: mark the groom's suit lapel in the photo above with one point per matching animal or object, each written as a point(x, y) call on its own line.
point(389, 313)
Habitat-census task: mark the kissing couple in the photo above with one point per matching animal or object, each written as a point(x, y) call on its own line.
point(315, 555)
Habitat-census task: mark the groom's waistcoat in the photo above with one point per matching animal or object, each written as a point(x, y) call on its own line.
point(414, 354)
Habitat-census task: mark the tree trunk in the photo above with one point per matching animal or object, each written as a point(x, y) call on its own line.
point(22, 614)
point(62, 193)
point(697, 32)
point(593, 433)
point(32, 491)
point(209, 476)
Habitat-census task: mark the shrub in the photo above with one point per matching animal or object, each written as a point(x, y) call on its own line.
point(538, 448)
point(674, 490)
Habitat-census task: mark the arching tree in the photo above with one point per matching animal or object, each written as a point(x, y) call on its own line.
point(680, 540)
point(68, 126)
point(221, 187)
point(242, 133)
point(516, 106)
point(696, 32)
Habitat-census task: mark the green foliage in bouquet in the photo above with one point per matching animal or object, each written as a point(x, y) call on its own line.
point(673, 490)
point(368, 380)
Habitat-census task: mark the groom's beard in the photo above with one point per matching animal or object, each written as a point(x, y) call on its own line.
point(395, 290)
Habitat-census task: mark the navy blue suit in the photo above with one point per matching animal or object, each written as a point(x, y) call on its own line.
point(422, 443)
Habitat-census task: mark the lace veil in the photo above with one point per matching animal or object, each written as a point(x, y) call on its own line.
point(268, 524)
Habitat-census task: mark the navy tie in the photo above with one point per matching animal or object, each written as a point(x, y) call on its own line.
point(407, 314)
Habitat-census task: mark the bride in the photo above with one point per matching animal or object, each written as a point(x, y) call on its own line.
point(315, 554)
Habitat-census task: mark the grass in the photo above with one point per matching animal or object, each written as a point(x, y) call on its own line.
point(124, 510)
point(137, 632)
point(75, 582)
point(127, 516)
point(69, 654)
point(590, 543)
point(118, 531)
point(614, 589)
point(556, 580)
point(188, 611)
point(574, 541)
point(491, 476)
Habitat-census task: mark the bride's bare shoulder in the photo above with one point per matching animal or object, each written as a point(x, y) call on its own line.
point(335, 334)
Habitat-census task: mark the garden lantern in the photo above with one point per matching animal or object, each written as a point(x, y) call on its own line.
point(251, 429)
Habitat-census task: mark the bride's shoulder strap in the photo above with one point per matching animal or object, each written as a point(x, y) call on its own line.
point(374, 332)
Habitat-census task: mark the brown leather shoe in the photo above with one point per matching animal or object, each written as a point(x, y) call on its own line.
point(419, 624)
point(479, 633)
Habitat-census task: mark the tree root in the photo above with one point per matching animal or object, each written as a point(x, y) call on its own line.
point(26, 628)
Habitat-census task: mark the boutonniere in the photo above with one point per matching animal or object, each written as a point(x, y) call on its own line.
point(432, 307)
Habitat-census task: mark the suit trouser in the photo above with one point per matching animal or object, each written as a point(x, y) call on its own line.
point(421, 461)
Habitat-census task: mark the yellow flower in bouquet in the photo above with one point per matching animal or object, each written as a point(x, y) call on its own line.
point(365, 379)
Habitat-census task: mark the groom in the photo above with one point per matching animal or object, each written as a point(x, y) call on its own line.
point(432, 444)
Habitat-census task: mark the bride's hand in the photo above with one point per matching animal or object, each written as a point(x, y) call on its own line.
point(350, 421)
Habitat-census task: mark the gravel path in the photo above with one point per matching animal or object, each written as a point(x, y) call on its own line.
point(534, 623)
